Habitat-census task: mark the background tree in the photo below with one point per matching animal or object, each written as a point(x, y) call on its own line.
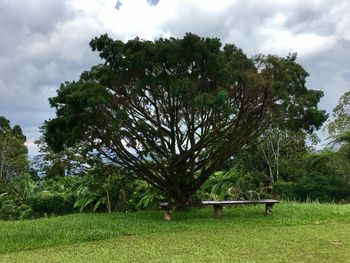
point(68, 161)
point(341, 114)
point(174, 110)
point(13, 151)
point(277, 155)
point(342, 139)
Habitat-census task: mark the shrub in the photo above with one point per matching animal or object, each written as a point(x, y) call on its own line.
point(145, 196)
point(324, 188)
point(51, 203)
point(315, 186)
point(285, 190)
point(10, 211)
point(232, 185)
point(104, 188)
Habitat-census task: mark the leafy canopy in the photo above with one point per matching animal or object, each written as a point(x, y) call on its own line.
point(174, 110)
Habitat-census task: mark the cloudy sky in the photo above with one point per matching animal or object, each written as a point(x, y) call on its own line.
point(45, 42)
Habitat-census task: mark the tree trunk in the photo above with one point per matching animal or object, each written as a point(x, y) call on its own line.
point(108, 202)
point(2, 164)
point(179, 193)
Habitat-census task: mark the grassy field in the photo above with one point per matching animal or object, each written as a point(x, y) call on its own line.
point(295, 233)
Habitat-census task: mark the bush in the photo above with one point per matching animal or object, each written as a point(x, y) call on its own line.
point(285, 190)
point(232, 185)
point(51, 203)
point(105, 188)
point(315, 187)
point(323, 188)
point(145, 196)
point(10, 211)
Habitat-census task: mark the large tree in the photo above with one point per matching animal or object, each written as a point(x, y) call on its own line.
point(174, 110)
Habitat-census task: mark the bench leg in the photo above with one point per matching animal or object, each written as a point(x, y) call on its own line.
point(218, 211)
point(268, 209)
point(167, 215)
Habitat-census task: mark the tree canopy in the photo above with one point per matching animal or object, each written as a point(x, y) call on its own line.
point(174, 110)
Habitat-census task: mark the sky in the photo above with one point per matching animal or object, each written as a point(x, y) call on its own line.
point(45, 42)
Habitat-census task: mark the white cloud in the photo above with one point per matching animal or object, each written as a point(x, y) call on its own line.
point(32, 147)
point(305, 44)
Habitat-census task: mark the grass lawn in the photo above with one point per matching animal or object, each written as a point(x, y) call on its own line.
point(295, 233)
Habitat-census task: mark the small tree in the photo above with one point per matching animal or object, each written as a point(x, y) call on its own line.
point(174, 110)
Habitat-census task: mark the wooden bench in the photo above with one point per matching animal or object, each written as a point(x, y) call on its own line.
point(168, 206)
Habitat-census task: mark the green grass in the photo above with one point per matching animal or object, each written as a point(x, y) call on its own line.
point(295, 233)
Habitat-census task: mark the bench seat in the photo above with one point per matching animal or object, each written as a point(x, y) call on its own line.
point(168, 206)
